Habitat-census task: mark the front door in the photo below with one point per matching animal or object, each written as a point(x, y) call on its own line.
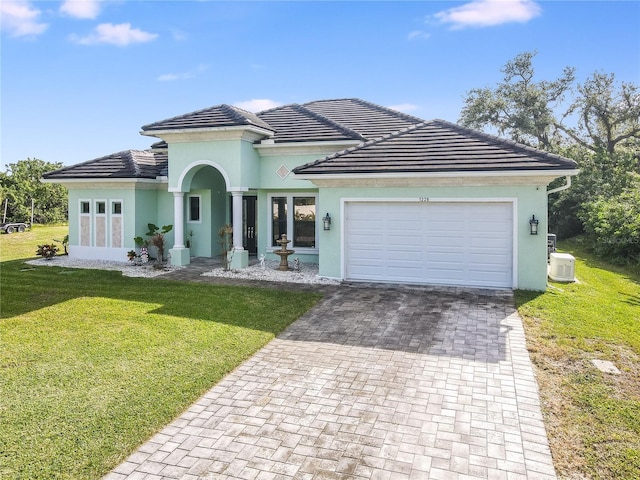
point(249, 224)
point(249, 227)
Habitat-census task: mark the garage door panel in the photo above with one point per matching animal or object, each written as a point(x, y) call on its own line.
point(440, 243)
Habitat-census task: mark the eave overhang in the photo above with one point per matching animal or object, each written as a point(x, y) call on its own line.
point(237, 132)
point(107, 182)
point(303, 148)
point(474, 178)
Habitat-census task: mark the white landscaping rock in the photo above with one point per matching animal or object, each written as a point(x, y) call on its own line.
point(308, 274)
point(127, 268)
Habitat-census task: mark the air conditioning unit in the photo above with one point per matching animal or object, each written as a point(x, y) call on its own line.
point(551, 244)
point(562, 267)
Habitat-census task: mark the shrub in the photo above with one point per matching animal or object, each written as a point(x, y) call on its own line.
point(47, 251)
point(613, 225)
point(601, 175)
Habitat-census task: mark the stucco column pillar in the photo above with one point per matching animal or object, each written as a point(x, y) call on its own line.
point(178, 219)
point(239, 256)
point(237, 220)
point(180, 255)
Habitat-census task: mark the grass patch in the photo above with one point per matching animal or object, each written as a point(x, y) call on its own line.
point(593, 419)
point(24, 245)
point(93, 363)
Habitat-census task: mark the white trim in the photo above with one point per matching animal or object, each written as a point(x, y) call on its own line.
point(86, 215)
point(290, 218)
point(519, 173)
point(110, 221)
point(98, 253)
point(191, 166)
point(235, 132)
point(189, 197)
point(303, 148)
point(63, 181)
point(514, 217)
point(96, 216)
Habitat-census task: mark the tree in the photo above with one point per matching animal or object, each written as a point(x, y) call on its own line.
point(603, 116)
point(518, 106)
point(608, 115)
point(613, 224)
point(601, 175)
point(21, 183)
point(599, 128)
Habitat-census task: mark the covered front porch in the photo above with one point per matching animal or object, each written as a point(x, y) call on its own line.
point(203, 204)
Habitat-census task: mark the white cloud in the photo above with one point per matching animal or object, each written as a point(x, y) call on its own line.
point(81, 8)
point(404, 107)
point(20, 19)
point(258, 104)
point(120, 35)
point(172, 77)
point(418, 34)
point(488, 13)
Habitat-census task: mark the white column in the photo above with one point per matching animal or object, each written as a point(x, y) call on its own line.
point(178, 219)
point(237, 220)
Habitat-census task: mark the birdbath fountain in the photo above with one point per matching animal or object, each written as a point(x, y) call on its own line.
point(284, 253)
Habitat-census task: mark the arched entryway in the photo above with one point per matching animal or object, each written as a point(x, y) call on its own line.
point(201, 208)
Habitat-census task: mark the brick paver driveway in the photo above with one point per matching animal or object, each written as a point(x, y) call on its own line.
point(375, 382)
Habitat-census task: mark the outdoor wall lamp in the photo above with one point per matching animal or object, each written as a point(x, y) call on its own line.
point(326, 221)
point(533, 225)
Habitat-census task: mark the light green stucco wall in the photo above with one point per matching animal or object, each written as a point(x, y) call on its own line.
point(236, 159)
point(531, 250)
point(137, 205)
point(270, 165)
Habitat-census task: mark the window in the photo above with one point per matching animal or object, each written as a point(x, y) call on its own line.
point(279, 226)
point(194, 208)
point(85, 207)
point(295, 216)
point(101, 208)
point(304, 222)
point(116, 225)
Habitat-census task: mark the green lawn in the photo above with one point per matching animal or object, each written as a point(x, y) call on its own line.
point(593, 418)
point(93, 363)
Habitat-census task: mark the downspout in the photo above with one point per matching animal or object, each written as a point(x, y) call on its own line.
point(563, 187)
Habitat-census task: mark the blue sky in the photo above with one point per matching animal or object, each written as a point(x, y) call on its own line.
point(79, 78)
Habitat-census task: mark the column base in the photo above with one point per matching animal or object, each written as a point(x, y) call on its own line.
point(239, 260)
point(180, 256)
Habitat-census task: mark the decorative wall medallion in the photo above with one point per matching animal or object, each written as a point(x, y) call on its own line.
point(283, 171)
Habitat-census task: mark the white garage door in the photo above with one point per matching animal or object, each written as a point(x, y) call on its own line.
point(435, 243)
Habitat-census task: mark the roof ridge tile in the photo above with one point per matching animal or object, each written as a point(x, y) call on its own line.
point(392, 111)
point(130, 158)
point(184, 115)
point(327, 121)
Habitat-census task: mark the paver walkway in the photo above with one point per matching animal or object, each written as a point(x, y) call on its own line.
point(375, 382)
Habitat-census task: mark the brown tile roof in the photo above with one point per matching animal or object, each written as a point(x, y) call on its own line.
point(295, 123)
point(330, 120)
point(368, 119)
point(436, 146)
point(127, 164)
point(213, 117)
